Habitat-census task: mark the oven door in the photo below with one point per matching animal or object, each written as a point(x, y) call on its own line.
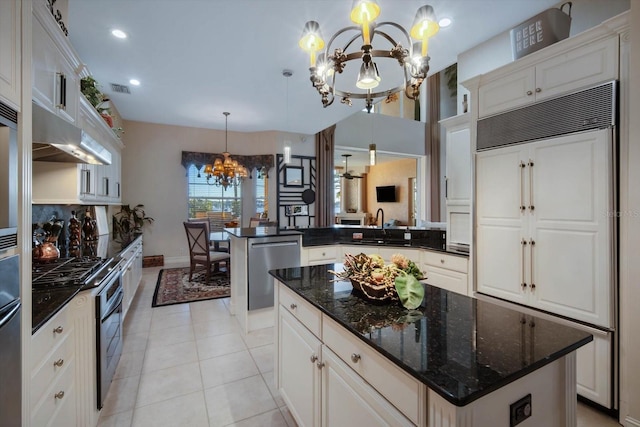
point(109, 330)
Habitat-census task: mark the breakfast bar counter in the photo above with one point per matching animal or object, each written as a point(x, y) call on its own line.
point(459, 361)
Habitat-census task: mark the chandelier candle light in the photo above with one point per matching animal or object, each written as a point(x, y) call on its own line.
point(326, 65)
point(225, 172)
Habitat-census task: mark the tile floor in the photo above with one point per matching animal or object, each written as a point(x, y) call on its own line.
point(190, 365)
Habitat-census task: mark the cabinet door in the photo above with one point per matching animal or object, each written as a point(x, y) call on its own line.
point(127, 287)
point(348, 400)
point(87, 182)
point(594, 370)
point(10, 53)
point(507, 92)
point(501, 223)
point(571, 185)
point(67, 90)
point(578, 68)
point(458, 166)
point(299, 376)
point(44, 67)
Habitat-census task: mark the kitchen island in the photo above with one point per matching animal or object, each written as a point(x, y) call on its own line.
point(255, 251)
point(455, 361)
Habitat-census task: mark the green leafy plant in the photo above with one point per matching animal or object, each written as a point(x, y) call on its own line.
point(91, 90)
point(130, 220)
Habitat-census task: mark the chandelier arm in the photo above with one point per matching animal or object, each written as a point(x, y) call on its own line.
point(345, 29)
point(399, 27)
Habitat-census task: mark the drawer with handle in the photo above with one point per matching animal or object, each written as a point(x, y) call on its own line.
point(443, 260)
point(307, 314)
point(401, 389)
point(57, 396)
point(52, 366)
point(49, 335)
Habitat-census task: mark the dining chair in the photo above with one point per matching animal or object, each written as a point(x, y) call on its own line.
point(199, 251)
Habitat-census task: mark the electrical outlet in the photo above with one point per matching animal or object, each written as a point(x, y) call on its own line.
point(407, 235)
point(520, 411)
point(356, 236)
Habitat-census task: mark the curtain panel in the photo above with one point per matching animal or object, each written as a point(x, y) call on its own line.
point(325, 141)
point(199, 160)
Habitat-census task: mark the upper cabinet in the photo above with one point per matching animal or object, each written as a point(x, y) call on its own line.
point(10, 56)
point(56, 85)
point(519, 84)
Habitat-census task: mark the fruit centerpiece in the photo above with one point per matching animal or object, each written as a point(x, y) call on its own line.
point(380, 281)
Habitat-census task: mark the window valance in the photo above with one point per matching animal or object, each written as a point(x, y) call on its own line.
point(199, 160)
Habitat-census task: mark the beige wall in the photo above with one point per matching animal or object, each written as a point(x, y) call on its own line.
point(391, 173)
point(153, 176)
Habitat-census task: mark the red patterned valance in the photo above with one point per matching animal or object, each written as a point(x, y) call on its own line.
point(199, 160)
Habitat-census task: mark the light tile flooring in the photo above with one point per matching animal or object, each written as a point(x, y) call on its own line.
point(190, 365)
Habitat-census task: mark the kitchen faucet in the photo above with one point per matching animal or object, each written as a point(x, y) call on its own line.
point(380, 211)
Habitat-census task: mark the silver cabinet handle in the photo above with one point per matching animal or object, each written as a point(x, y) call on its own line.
point(355, 357)
point(538, 90)
point(523, 283)
point(522, 166)
point(530, 164)
point(58, 363)
point(532, 244)
point(441, 261)
point(293, 306)
point(58, 330)
point(313, 358)
point(59, 395)
point(320, 365)
point(529, 93)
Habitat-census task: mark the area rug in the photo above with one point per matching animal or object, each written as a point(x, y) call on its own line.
point(174, 287)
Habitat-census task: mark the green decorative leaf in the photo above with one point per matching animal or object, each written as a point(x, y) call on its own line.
point(410, 291)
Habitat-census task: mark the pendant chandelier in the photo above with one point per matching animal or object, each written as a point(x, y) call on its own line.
point(414, 63)
point(225, 172)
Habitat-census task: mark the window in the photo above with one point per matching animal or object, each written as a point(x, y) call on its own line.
point(262, 194)
point(204, 197)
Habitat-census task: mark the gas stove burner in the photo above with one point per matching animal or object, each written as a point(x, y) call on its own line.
point(64, 272)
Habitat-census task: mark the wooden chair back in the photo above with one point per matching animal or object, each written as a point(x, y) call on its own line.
point(198, 240)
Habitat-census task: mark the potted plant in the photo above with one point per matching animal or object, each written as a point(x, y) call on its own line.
point(129, 221)
point(90, 89)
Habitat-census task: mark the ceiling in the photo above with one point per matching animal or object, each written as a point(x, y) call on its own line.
point(198, 58)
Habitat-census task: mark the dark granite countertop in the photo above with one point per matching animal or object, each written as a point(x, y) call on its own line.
point(47, 302)
point(261, 232)
point(460, 347)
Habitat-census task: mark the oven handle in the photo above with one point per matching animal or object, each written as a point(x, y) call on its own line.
point(114, 306)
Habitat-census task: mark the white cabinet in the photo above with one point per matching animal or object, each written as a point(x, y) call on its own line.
point(348, 400)
point(543, 229)
point(446, 271)
point(299, 376)
point(594, 370)
point(319, 255)
point(458, 179)
point(56, 85)
point(53, 397)
point(10, 52)
point(328, 377)
point(131, 273)
point(525, 81)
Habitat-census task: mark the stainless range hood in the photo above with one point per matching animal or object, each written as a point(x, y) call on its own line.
point(56, 140)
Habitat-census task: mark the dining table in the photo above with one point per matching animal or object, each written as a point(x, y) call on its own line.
point(217, 237)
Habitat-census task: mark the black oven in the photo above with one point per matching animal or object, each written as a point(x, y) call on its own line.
point(108, 330)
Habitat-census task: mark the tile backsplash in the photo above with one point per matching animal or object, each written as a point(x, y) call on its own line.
point(43, 213)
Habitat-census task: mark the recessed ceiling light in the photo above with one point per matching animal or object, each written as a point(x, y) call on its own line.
point(119, 34)
point(135, 82)
point(444, 22)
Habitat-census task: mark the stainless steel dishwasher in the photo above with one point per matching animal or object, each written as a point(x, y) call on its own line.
point(268, 253)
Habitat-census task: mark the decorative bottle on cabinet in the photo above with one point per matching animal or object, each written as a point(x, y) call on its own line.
point(88, 227)
point(75, 231)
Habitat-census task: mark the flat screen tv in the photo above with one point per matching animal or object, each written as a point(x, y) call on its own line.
point(386, 194)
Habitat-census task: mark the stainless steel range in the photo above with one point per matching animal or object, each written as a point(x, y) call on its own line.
point(90, 273)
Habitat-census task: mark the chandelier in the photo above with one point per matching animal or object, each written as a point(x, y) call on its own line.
point(225, 172)
point(413, 59)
